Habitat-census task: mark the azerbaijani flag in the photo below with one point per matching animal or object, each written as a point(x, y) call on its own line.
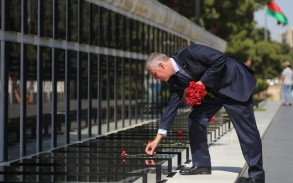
point(276, 12)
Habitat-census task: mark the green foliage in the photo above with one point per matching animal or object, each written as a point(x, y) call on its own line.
point(234, 22)
point(261, 85)
point(241, 49)
point(227, 18)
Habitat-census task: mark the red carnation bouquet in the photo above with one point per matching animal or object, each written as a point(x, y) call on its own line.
point(195, 93)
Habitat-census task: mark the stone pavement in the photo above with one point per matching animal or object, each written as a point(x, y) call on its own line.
point(227, 159)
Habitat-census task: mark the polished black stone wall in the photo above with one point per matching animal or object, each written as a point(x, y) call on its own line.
point(71, 70)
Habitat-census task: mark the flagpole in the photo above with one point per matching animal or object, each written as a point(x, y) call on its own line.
point(266, 26)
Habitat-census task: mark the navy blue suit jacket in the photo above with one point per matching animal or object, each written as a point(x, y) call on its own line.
point(218, 72)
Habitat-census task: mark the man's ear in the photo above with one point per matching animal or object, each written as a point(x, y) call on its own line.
point(161, 65)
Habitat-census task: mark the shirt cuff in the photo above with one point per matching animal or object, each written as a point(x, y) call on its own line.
point(162, 132)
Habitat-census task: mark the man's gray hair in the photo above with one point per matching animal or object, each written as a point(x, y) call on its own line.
point(154, 58)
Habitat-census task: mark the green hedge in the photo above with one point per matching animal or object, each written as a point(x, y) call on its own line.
point(261, 85)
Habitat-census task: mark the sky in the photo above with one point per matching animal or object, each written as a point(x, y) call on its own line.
point(271, 23)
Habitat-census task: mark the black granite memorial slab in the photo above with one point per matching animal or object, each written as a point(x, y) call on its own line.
point(99, 165)
point(112, 160)
point(41, 174)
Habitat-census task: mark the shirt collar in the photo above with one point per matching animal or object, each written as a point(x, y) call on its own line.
point(174, 64)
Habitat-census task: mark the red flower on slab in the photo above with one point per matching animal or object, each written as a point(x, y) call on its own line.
point(213, 119)
point(195, 93)
point(179, 134)
point(123, 154)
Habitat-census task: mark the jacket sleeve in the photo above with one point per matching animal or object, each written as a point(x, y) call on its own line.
point(171, 109)
point(215, 62)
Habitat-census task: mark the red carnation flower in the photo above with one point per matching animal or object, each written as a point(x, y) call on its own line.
point(123, 154)
point(195, 93)
point(213, 119)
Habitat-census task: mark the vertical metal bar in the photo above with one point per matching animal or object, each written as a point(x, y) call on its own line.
point(67, 76)
point(130, 78)
point(4, 105)
point(39, 98)
point(39, 143)
point(80, 23)
point(54, 100)
point(123, 92)
point(22, 136)
point(117, 32)
point(130, 89)
point(54, 78)
point(79, 72)
point(159, 40)
point(152, 79)
point(3, 93)
point(108, 44)
point(197, 10)
point(3, 14)
point(143, 50)
point(167, 43)
point(136, 71)
point(144, 90)
point(123, 71)
point(68, 14)
point(99, 89)
point(91, 11)
point(99, 96)
point(150, 38)
point(108, 92)
point(147, 76)
point(115, 35)
point(136, 91)
point(159, 85)
point(115, 93)
point(78, 97)
point(67, 97)
point(89, 115)
point(171, 43)
point(170, 37)
point(108, 29)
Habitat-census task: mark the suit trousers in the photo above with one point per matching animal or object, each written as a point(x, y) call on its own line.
point(242, 117)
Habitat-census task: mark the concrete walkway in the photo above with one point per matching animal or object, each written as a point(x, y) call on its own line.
point(227, 158)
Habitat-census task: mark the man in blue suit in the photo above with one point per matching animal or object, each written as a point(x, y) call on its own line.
point(231, 83)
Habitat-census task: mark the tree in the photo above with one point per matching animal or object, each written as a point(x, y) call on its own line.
point(233, 21)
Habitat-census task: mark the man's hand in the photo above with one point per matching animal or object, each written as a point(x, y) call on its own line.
point(199, 82)
point(150, 148)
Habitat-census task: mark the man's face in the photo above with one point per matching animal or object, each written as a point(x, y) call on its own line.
point(159, 72)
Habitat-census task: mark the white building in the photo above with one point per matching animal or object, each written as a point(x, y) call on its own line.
point(286, 37)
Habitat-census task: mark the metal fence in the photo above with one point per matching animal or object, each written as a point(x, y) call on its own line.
point(74, 69)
